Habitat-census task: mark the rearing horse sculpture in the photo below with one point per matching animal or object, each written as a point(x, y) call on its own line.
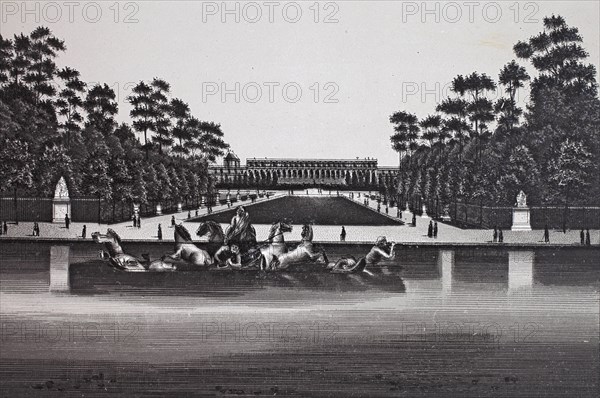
point(127, 262)
point(277, 257)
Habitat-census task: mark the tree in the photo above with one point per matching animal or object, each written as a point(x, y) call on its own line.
point(101, 107)
point(139, 193)
point(161, 122)
point(571, 173)
point(42, 49)
point(142, 103)
point(16, 168)
point(512, 77)
point(557, 54)
point(180, 113)
point(69, 103)
point(431, 125)
point(407, 133)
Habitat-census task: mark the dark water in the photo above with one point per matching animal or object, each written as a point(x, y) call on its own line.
point(464, 322)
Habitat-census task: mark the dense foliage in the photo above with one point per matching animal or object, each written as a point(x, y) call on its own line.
point(477, 150)
point(52, 124)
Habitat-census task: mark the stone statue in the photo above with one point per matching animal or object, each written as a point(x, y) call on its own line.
point(61, 189)
point(521, 199)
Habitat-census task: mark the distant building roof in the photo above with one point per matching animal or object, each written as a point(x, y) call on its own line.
point(231, 156)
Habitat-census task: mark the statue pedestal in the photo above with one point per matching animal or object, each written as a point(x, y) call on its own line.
point(521, 220)
point(60, 207)
point(424, 212)
point(179, 208)
point(158, 210)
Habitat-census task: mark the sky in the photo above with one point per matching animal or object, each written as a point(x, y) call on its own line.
point(301, 79)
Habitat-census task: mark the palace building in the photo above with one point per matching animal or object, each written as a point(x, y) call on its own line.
point(276, 172)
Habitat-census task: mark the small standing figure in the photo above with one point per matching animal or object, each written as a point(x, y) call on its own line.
point(343, 234)
point(159, 232)
point(588, 241)
point(435, 229)
point(430, 229)
point(546, 234)
point(582, 237)
point(84, 232)
point(500, 236)
point(5, 228)
point(196, 212)
point(378, 207)
point(139, 221)
point(386, 210)
point(134, 220)
point(172, 221)
point(34, 233)
point(67, 221)
point(414, 220)
point(495, 234)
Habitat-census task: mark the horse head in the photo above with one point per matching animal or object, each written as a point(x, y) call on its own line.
point(277, 230)
point(307, 233)
point(111, 240)
point(212, 230)
point(182, 235)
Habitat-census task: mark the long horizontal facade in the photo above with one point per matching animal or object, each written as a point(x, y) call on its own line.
point(281, 172)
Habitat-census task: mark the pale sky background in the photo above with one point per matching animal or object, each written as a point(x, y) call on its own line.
point(375, 54)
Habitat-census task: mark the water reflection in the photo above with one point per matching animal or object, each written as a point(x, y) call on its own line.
point(520, 271)
point(446, 265)
point(59, 269)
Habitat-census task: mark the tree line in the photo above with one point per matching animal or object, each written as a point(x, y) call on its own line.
point(53, 124)
point(477, 150)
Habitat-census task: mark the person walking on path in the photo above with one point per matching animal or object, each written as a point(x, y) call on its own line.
point(546, 234)
point(582, 237)
point(495, 234)
point(435, 229)
point(588, 241)
point(34, 232)
point(343, 234)
point(414, 220)
point(159, 232)
point(189, 214)
point(500, 236)
point(430, 229)
point(139, 221)
point(84, 232)
point(378, 207)
point(67, 221)
point(134, 220)
point(172, 221)
point(5, 228)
